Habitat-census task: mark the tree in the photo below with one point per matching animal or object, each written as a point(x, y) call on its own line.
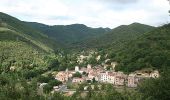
point(54, 83)
point(54, 64)
point(47, 88)
point(43, 79)
point(58, 96)
point(77, 74)
point(158, 61)
point(30, 74)
point(156, 89)
point(3, 81)
point(93, 80)
point(96, 88)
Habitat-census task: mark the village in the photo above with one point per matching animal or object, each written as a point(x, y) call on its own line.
point(100, 74)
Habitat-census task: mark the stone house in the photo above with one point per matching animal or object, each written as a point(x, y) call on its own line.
point(78, 80)
point(119, 80)
point(132, 80)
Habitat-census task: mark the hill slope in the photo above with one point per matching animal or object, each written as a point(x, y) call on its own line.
point(21, 47)
point(151, 50)
point(31, 34)
point(116, 37)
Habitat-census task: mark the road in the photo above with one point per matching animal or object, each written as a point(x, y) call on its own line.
point(63, 88)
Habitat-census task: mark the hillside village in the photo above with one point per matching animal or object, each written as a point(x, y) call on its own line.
point(101, 74)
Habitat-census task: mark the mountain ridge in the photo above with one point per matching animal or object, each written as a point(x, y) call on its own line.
point(66, 34)
point(116, 36)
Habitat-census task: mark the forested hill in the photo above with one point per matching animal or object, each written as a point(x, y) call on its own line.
point(151, 50)
point(67, 34)
point(32, 35)
point(116, 38)
point(22, 47)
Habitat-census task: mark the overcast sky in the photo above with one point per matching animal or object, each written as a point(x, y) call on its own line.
point(93, 13)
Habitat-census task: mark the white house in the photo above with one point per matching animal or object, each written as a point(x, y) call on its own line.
point(107, 77)
point(154, 74)
point(76, 68)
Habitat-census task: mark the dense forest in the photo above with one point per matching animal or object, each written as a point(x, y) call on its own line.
point(149, 51)
point(116, 38)
point(68, 34)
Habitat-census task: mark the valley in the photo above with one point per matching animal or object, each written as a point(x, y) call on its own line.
point(77, 62)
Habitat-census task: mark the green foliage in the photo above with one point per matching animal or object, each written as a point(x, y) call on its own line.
point(47, 88)
point(156, 89)
point(59, 96)
point(77, 74)
point(30, 74)
point(3, 81)
point(44, 79)
point(34, 36)
point(54, 64)
point(94, 80)
point(150, 50)
point(54, 82)
point(17, 88)
point(116, 38)
point(20, 56)
point(67, 34)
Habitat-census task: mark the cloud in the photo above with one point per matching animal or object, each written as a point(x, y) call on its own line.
point(94, 13)
point(119, 1)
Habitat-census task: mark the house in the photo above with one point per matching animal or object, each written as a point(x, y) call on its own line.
point(78, 80)
point(83, 69)
point(76, 68)
point(111, 77)
point(81, 58)
point(93, 74)
point(62, 76)
point(113, 64)
point(132, 80)
point(154, 74)
point(99, 69)
point(89, 66)
point(119, 80)
point(107, 77)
